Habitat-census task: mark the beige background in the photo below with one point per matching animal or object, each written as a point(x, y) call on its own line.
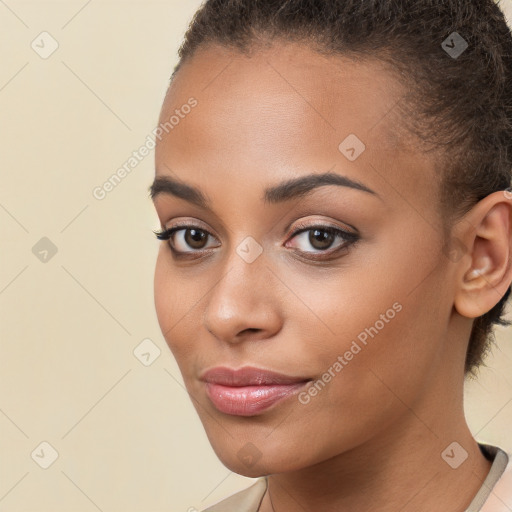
point(127, 436)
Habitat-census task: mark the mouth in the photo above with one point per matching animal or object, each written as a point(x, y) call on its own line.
point(248, 391)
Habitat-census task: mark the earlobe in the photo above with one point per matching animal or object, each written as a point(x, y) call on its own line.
point(489, 242)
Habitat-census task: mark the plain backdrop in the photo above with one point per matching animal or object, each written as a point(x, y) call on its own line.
point(76, 273)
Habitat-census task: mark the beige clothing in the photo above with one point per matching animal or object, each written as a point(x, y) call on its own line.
point(495, 494)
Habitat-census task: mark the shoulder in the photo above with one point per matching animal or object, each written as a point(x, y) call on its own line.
point(247, 500)
point(500, 496)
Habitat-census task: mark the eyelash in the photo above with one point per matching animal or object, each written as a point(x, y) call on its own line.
point(349, 238)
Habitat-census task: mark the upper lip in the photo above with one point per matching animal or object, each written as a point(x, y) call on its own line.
point(247, 376)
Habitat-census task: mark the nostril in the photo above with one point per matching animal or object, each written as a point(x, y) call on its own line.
point(250, 329)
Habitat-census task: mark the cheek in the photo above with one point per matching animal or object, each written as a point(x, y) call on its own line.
point(171, 302)
point(361, 386)
point(386, 327)
point(179, 304)
point(162, 293)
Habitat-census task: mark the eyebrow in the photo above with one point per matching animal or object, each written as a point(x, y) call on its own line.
point(285, 191)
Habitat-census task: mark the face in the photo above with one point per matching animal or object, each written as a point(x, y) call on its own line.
point(339, 283)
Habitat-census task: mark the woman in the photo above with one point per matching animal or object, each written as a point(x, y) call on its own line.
point(331, 183)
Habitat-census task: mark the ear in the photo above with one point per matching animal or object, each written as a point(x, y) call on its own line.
point(485, 272)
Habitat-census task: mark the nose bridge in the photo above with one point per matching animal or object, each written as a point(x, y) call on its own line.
point(242, 299)
point(246, 266)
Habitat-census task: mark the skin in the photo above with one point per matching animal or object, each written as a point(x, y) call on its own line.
point(372, 438)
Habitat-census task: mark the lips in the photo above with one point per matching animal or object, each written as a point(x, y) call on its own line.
point(248, 376)
point(248, 391)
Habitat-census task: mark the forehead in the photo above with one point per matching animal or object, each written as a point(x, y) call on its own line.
point(287, 108)
point(287, 80)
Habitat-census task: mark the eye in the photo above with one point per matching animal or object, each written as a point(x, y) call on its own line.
point(189, 239)
point(322, 239)
point(185, 239)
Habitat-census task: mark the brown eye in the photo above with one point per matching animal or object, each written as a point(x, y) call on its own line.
point(320, 239)
point(186, 239)
point(195, 238)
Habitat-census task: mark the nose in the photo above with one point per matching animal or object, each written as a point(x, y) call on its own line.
point(244, 304)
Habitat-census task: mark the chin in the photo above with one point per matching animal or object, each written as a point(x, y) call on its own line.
point(246, 459)
point(250, 469)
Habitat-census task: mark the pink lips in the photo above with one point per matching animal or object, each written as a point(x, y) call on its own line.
point(248, 391)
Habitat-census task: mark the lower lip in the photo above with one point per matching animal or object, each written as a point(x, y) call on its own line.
point(249, 400)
